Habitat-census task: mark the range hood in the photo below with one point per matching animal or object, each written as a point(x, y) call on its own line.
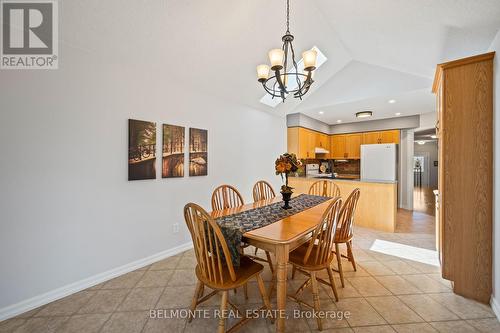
point(319, 150)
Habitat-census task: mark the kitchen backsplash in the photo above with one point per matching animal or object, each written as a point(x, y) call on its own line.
point(351, 167)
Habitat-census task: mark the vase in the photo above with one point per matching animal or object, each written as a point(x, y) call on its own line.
point(286, 199)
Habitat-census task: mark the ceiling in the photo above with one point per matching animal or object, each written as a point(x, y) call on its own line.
point(377, 49)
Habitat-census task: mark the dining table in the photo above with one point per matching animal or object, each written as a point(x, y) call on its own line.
point(280, 238)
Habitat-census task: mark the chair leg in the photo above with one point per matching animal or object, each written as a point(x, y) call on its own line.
point(256, 249)
point(314, 283)
point(351, 255)
point(202, 290)
point(223, 308)
point(339, 263)
point(293, 271)
point(270, 261)
point(332, 283)
point(263, 294)
point(194, 301)
point(245, 290)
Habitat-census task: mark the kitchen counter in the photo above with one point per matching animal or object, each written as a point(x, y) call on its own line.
point(377, 205)
point(344, 178)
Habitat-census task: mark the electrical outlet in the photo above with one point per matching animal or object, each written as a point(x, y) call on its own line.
point(175, 228)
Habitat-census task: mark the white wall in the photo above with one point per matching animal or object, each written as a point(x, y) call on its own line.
point(430, 147)
point(67, 210)
point(427, 121)
point(495, 46)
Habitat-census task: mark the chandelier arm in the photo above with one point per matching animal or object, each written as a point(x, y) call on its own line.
point(279, 80)
point(285, 64)
point(307, 84)
point(296, 69)
point(269, 91)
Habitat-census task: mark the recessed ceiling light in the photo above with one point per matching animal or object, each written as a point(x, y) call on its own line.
point(339, 121)
point(434, 136)
point(391, 101)
point(398, 113)
point(421, 142)
point(364, 114)
point(321, 112)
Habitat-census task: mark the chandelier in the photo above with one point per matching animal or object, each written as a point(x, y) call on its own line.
point(283, 81)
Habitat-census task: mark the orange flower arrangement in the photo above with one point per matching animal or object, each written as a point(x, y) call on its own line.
point(284, 165)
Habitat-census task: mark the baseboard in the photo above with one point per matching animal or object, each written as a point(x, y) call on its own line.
point(34, 302)
point(495, 306)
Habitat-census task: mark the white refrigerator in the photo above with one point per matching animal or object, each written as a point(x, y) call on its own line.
point(379, 162)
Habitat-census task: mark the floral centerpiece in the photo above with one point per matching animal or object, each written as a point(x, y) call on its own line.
point(284, 166)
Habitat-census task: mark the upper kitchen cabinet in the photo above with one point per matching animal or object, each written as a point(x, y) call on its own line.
point(353, 145)
point(345, 146)
point(302, 142)
point(322, 141)
point(391, 136)
point(337, 146)
point(370, 138)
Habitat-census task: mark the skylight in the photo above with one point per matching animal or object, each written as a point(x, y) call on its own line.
point(273, 102)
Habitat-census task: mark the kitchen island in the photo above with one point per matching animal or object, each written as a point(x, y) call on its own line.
point(377, 205)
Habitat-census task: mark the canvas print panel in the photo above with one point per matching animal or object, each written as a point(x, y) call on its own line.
point(141, 149)
point(173, 151)
point(198, 152)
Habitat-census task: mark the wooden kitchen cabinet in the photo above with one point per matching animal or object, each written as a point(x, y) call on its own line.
point(338, 146)
point(353, 145)
point(464, 90)
point(322, 141)
point(345, 146)
point(370, 138)
point(391, 136)
point(301, 142)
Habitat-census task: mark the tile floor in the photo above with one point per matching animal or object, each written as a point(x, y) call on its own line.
point(397, 288)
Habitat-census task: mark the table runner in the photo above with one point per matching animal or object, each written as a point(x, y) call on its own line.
point(234, 226)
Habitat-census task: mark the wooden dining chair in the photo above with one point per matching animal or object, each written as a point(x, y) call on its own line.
point(344, 233)
point(226, 196)
point(262, 190)
point(317, 255)
point(325, 188)
point(214, 267)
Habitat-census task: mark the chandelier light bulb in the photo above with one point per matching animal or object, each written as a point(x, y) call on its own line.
point(276, 57)
point(262, 72)
point(309, 58)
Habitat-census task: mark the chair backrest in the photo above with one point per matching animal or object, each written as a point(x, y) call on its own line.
point(324, 235)
point(262, 190)
point(346, 217)
point(325, 188)
point(226, 196)
point(210, 247)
